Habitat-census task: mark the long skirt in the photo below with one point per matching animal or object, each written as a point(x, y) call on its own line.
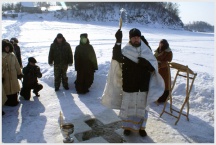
point(133, 112)
point(135, 123)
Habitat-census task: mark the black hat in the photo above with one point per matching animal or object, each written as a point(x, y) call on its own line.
point(84, 35)
point(134, 32)
point(14, 39)
point(32, 59)
point(59, 35)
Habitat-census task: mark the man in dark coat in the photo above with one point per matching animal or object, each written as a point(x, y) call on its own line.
point(139, 77)
point(31, 73)
point(61, 55)
point(17, 51)
point(85, 64)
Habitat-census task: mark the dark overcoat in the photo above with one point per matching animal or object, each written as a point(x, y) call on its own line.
point(60, 54)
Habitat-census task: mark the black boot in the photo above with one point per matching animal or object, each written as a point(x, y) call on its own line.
point(12, 100)
point(142, 133)
point(66, 88)
point(36, 94)
point(163, 98)
point(127, 132)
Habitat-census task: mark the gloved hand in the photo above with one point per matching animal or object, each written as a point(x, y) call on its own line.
point(2, 80)
point(51, 64)
point(70, 64)
point(118, 36)
point(142, 61)
point(20, 76)
point(37, 68)
point(145, 63)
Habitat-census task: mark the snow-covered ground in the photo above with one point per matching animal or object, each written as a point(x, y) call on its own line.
point(37, 120)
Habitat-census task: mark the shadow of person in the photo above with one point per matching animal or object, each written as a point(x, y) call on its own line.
point(10, 123)
point(32, 122)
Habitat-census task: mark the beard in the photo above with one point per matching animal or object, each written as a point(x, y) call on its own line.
point(135, 44)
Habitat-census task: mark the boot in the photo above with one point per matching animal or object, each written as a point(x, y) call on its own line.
point(36, 94)
point(142, 133)
point(12, 100)
point(65, 83)
point(66, 88)
point(127, 132)
point(163, 98)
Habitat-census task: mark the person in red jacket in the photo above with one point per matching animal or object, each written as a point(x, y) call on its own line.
point(164, 55)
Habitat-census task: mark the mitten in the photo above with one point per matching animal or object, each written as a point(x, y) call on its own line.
point(118, 36)
point(20, 76)
point(145, 63)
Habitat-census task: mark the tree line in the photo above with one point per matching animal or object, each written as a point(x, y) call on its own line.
point(165, 13)
point(199, 26)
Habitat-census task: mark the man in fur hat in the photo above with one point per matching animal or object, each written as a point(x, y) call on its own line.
point(133, 82)
point(61, 56)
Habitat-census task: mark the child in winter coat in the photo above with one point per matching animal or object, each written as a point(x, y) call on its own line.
point(31, 73)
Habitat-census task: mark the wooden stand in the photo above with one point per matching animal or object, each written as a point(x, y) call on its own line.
point(188, 74)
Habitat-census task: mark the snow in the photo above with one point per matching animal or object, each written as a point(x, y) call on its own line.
point(37, 120)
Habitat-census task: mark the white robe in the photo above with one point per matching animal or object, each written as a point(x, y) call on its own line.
point(112, 95)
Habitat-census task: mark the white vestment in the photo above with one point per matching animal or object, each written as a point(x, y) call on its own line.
point(113, 93)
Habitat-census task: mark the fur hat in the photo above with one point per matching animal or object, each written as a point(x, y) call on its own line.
point(5, 43)
point(59, 35)
point(84, 35)
point(134, 32)
point(32, 59)
point(165, 44)
point(14, 39)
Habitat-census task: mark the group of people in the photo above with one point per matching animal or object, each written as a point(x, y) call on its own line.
point(12, 71)
point(61, 56)
point(136, 77)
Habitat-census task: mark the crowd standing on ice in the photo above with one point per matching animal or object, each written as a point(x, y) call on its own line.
point(136, 77)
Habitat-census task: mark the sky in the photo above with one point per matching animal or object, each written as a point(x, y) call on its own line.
point(197, 11)
point(36, 121)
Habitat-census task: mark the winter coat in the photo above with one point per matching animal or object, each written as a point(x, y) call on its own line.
point(17, 52)
point(85, 58)
point(112, 96)
point(31, 73)
point(4, 97)
point(163, 58)
point(10, 71)
point(60, 54)
point(136, 76)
